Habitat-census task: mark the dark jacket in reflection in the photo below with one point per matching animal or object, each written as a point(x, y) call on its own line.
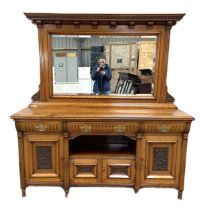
point(101, 84)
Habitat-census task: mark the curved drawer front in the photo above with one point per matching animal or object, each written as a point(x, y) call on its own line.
point(101, 127)
point(163, 127)
point(40, 126)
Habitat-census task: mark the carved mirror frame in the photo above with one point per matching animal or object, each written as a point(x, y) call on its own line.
point(104, 24)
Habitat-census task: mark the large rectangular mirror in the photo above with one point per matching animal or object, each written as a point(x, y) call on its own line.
point(103, 65)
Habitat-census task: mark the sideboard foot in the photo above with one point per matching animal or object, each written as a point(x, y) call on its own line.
point(136, 190)
point(23, 192)
point(66, 192)
point(180, 194)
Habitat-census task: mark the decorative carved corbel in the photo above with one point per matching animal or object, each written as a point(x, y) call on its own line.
point(58, 23)
point(76, 24)
point(36, 96)
point(131, 24)
point(39, 23)
point(187, 127)
point(169, 24)
point(139, 136)
point(94, 24)
point(185, 136)
point(113, 24)
point(169, 98)
point(19, 135)
point(132, 136)
point(66, 135)
point(150, 24)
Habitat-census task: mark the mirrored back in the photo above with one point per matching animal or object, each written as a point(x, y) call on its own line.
point(103, 64)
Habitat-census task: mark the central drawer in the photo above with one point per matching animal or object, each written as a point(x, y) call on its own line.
point(101, 127)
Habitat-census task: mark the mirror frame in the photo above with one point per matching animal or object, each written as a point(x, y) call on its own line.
point(104, 24)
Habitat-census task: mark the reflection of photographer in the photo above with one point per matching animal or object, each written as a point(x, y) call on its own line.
point(101, 74)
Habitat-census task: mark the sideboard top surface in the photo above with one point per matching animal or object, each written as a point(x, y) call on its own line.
point(102, 113)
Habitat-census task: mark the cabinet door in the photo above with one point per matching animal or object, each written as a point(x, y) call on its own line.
point(84, 171)
point(43, 157)
point(160, 160)
point(118, 171)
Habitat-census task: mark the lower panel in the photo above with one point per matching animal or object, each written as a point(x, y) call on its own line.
point(118, 171)
point(84, 171)
point(103, 171)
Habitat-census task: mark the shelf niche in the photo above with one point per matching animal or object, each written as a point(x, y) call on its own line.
point(102, 145)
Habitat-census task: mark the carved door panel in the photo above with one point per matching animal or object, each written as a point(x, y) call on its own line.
point(160, 160)
point(43, 154)
point(84, 171)
point(118, 171)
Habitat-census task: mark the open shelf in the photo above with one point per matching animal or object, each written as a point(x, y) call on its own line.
point(103, 146)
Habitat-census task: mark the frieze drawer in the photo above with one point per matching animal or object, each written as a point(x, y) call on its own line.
point(163, 127)
point(103, 127)
point(39, 126)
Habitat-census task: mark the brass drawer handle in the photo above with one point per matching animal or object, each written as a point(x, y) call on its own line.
point(164, 128)
point(119, 128)
point(41, 128)
point(86, 128)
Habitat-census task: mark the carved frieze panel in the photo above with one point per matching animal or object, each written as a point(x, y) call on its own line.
point(103, 127)
point(40, 126)
point(166, 127)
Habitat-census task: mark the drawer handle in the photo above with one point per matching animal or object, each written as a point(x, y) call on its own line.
point(164, 128)
point(41, 128)
point(86, 128)
point(119, 128)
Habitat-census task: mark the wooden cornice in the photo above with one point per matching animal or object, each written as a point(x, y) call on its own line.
point(104, 19)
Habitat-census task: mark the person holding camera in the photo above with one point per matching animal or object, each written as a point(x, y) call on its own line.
point(102, 75)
